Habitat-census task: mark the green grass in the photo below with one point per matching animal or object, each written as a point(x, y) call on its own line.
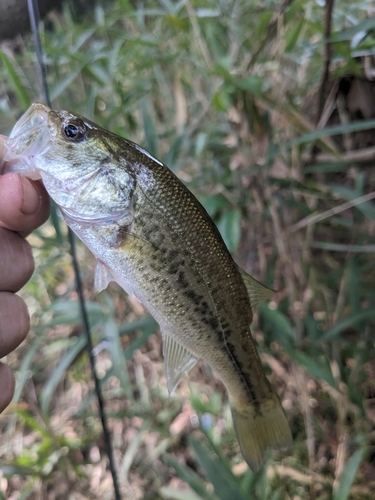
point(226, 99)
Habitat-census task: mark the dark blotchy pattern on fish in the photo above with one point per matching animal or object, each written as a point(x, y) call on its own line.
point(169, 209)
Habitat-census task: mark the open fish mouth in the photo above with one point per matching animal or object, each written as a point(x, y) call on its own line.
point(29, 138)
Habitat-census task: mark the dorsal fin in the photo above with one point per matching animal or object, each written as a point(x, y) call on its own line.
point(257, 292)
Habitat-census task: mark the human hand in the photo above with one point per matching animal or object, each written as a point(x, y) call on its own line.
point(24, 206)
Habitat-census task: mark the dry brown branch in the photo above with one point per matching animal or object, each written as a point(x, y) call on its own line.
point(362, 155)
point(314, 218)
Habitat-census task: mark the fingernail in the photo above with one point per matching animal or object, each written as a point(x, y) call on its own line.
point(32, 199)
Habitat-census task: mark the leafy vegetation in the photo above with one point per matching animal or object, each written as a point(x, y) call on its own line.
point(227, 94)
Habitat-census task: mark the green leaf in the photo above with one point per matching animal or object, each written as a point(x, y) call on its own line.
point(26, 367)
point(140, 324)
point(342, 247)
point(218, 472)
point(293, 36)
point(191, 478)
point(352, 320)
point(213, 405)
point(174, 152)
point(19, 470)
point(116, 351)
point(68, 312)
point(317, 368)
point(252, 83)
point(348, 475)
point(214, 203)
point(62, 85)
point(366, 25)
point(280, 326)
point(150, 329)
point(229, 226)
point(175, 494)
point(148, 127)
point(221, 100)
point(15, 80)
point(32, 422)
point(330, 131)
point(53, 381)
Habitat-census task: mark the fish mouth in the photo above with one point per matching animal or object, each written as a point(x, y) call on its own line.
point(28, 139)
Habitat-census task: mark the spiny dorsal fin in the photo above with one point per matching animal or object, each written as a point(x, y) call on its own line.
point(258, 293)
point(178, 361)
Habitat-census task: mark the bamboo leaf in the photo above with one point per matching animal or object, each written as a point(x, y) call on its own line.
point(316, 367)
point(191, 478)
point(226, 485)
point(348, 475)
point(149, 129)
point(330, 131)
point(229, 227)
point(352, 320)
point(53, 381)
point(176, 494)
point(112, 335)
point(15, 80)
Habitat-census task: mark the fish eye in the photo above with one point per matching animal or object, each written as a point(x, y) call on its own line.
point(74, 130)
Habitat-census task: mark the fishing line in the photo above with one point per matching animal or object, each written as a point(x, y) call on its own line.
point(34, 20)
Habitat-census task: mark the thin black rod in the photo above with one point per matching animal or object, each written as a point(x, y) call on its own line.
point(34, 20)
point(99, 396)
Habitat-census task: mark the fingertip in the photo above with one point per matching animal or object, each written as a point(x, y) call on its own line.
point(11, 193)
point(31, 197)
point(24, 204)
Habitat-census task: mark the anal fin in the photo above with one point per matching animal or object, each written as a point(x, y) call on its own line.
point(102, 276)
point(178, 361)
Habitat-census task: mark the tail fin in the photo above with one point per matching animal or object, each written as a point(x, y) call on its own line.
point(260, 427)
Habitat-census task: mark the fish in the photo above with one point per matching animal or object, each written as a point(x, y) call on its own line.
point(151, 235)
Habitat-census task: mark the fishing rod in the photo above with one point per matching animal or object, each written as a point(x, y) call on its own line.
point(34, 21)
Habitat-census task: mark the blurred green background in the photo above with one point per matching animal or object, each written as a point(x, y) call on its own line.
point(266, 111)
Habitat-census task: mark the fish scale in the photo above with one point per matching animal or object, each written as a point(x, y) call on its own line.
point(152, 236)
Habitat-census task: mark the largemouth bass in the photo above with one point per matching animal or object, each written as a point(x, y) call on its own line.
point(152, 236)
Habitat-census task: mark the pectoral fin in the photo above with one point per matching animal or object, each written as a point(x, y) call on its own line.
point(178, 361)
point(257, 292)
point(103, 276)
